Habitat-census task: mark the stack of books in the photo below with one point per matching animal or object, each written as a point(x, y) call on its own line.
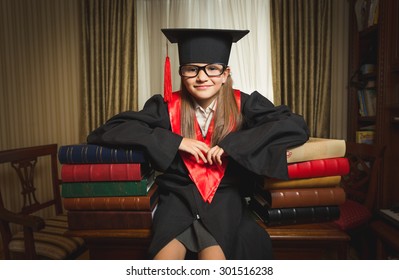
point(107, 188)
point(312, 193)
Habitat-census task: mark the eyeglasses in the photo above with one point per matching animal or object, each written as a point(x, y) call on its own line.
point(211, 70)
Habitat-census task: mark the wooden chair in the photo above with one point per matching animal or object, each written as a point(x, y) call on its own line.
point(361, 187)
point(36, 238)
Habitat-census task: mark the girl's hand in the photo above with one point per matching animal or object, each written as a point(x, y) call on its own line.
point(215, 155)
point(194, 147)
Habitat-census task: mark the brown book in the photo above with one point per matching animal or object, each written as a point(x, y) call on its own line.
point(318, 182)
point(142, 202)
point(92, 220)
point(305, 197)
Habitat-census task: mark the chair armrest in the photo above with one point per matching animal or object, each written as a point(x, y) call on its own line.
point(34, 222)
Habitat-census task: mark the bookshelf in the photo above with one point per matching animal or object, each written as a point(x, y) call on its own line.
point(374, 67)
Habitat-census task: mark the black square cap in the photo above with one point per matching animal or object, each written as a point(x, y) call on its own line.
point(204, 45)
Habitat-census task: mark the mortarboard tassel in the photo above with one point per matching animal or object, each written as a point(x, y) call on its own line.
point(167, 82)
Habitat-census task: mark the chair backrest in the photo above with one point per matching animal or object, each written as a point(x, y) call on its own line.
point(361, 184)
point(24, 161)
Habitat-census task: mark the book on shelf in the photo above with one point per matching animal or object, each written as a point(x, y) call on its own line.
point(96, 172)
point(113, 188)
point(367, 100)
point(304, 197)
point(133, 203)
point(362, 104)
point(91, 153)
point(373, 12)
point(365, 136)
point(370, 99)
point(317, 148)
point(317, 182)
point(295, 215)
point(318, 168)
point(92, 220)
point(366, 12)
point(361, 8)
point(367, 68)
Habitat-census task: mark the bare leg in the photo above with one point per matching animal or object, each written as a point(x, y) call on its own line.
point(212, 253)
point(174, 250)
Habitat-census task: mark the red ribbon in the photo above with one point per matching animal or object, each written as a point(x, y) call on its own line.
point(167, 82)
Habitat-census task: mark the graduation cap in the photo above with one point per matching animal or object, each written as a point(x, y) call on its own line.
point(204, 45)
point(199, 46)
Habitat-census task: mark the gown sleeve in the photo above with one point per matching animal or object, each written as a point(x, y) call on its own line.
point(268, 130)
point(148, 129)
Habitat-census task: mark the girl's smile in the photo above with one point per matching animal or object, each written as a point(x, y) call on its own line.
point(203, 88)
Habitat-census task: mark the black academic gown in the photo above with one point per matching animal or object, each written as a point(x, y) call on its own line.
point(257, 150)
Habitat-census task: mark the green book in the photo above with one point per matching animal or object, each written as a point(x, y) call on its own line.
point(110, 188)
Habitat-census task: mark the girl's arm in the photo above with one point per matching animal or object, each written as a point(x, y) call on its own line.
point(267, 133)
point(148, 129)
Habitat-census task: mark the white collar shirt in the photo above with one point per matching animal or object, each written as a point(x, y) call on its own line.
point(204, 116)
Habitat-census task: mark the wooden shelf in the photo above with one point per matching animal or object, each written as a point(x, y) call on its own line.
point(369, 31)
point(370, 119)
point(378, 45)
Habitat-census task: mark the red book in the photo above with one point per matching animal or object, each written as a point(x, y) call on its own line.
point(319, 168)
point(101, 172)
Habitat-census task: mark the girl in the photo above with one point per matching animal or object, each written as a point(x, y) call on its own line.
point(213, 145)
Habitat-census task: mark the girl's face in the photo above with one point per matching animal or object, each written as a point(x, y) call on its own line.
point(203, 88)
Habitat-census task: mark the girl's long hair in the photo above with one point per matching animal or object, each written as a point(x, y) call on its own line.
point(227, 117)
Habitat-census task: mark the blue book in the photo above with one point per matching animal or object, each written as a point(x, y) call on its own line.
point(91, 153)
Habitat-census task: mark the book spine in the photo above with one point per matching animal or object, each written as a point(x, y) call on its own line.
point(89, 153)
point(100, 189)
point(365, 136)
point(316, 148)
point(362, 104)
point(101, 172)
point(319, 168)
point(296, 215)
point(370, 101)
point(134, 203)
point(318, 182)
point(307, 197)
point(90, 220)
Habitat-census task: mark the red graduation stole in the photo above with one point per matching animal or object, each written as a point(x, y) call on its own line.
point(205, 176)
